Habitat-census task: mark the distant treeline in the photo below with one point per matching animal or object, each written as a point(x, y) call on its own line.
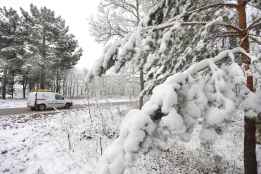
point(77, 85)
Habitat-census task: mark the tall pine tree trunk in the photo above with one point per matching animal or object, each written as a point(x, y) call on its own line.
point(31, 85)
point(12, 85)
point(141, 87)
point(4, 83)
point(250, 162)
point(42, 79)
point(141, 68)
point(58, 85)
point(65, 87)
point(42, 76)
point(25, 80)
point(24, 89)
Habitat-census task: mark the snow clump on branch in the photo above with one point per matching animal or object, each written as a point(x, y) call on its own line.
point(175, 107)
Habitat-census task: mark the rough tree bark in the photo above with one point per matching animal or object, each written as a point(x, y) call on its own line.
point(250, 162)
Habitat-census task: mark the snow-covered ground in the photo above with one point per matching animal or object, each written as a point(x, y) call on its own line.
point(21, 103)
point(16, 103)
point(68, 142)
point(72, 141)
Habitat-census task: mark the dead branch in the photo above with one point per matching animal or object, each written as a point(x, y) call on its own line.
point(230, 26)
point(254, 24)
point(228, 34)
point(228, 5)
point(168, 25)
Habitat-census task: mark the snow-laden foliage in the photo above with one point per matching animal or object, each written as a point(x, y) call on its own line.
point(168, 40)
point(256, 3)
point(205, 93)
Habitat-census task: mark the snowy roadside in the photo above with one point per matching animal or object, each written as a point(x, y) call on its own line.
point(72, 141)
point(21, 103)
point(100, 101)
point(16, 103)
point(67, 142)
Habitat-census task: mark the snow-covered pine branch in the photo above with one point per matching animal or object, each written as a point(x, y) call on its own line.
point(255, 3)
point(215, 5)
point(177, 105)
point(167, 46)
point(170, 24)
point(254, 24)
point(168, 42)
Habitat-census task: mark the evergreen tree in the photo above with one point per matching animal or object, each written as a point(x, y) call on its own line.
point(175, 35)
point(53, 48)
point(10, 47)
point(36, 49)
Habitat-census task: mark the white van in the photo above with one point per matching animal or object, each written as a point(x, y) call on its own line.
point(45, 100)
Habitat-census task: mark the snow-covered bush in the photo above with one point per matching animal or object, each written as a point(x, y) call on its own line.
point(205, 93)
point(180, 160)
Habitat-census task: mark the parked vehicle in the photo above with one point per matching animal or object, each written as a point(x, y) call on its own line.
point(46, 100)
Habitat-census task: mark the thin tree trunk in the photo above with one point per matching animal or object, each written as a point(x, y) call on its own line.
point(12, 85)
point(57, 82)
point(4, 82)
point(65, 88)
point(24, 85)
point(141, 87)
point(250, 162)
point(31, 85)
point(69, 86)
point(24, 90)
point(76, 89)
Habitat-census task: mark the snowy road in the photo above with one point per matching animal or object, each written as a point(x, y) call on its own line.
point(24, 110)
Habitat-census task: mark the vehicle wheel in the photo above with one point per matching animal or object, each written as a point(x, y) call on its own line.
point(32, 108)
point(67, 106)
point(41, 107)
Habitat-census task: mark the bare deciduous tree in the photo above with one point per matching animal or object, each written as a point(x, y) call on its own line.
point(116, 18)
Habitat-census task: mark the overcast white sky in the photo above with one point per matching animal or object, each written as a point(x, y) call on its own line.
point(76, 14)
